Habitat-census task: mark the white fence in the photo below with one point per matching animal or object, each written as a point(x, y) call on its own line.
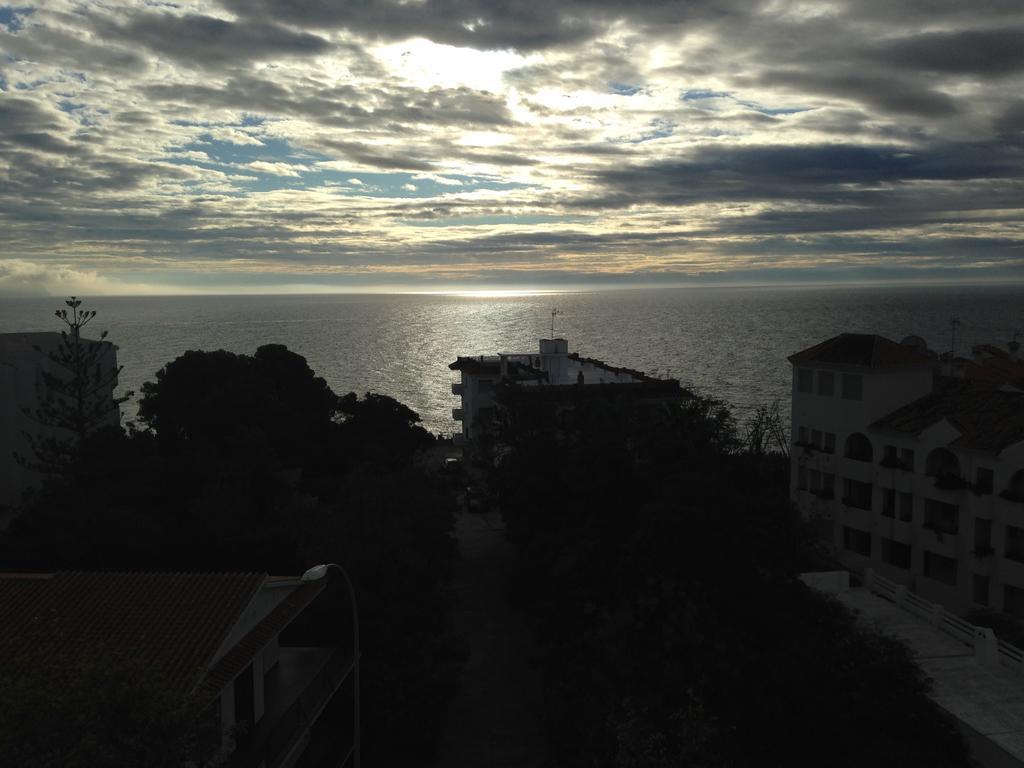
point(988, 649)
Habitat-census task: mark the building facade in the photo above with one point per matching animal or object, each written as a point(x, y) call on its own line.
point(273, 658)
point(23, 358)
point(551, 366)
point(913, 464)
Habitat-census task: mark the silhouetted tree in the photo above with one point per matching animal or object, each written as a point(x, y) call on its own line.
point(251, 463)
point(75, 396)
point(657, 561)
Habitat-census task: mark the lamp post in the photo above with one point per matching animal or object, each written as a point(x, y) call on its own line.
point(318, 572)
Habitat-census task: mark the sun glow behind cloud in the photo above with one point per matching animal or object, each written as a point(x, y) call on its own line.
point(235, 143)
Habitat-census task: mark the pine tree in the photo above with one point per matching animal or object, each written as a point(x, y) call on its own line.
point(74, 394)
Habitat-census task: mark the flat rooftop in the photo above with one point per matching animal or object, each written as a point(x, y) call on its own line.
point(988, 700)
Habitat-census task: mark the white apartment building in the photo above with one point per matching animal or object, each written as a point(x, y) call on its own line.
point(23, 357)
point(913, 465)
point(552, 365)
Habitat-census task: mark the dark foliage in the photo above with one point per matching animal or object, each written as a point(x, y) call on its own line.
point(252, 463)
point(658, 560)
point(75, 397)
point(104, 711)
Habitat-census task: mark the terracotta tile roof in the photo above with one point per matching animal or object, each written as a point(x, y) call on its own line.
point(863, 350)
point(987, 417)
point(176, 621)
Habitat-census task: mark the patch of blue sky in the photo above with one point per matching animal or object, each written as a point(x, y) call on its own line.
point(659, 129)
point(703, 94)
point(771, 110)
point(249, 121)
point(623, 89)
point(699, 94)
point(236, 159)
point(3, 83)
point(69, 106)
point(21, 85)
point(11, 16)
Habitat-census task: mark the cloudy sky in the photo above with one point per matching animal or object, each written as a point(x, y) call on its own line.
point(225, 145)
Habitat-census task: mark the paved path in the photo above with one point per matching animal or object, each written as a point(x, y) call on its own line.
point(987, 701)
point(493, 723)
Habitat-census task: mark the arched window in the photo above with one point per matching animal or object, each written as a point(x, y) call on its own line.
point(858, 447)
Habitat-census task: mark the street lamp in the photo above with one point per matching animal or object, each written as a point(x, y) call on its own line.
point(318, 572)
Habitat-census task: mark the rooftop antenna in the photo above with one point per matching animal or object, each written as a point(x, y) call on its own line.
point(554, 313)
point(954, 323)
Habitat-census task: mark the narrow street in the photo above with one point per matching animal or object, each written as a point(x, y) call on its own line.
point(493, 722)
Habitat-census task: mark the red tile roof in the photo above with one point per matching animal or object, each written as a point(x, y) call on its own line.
point(863, 350)
point(175, 621)
point(987, 417)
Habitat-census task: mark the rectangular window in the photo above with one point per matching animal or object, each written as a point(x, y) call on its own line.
point(856, 540)
point(907, 458)
point(826, 383)
point(856, 494)
point(826, 485)
point(816, 438)
point(941, 517)
point(830, 443)
point(906, 507)
point(853, 386)
point(804, 380)
point(982, 536)
point(890, 458)
point(940, 568)
point(1013, 601)
point(896, 553)
point(983, 480)
point(802, 436)
point(888, 502)
point(1014, 543)
point(979, 592)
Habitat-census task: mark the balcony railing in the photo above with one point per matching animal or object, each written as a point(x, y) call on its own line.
point(277, 736)
point(947, 481)
point(942, 528)
point(891, 462)
point(824, 493)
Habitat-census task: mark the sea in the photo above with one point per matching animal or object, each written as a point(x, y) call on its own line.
point(730, 343)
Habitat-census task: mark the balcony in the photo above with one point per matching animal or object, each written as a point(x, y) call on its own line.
point(458, 413)
point(298, 690)
point(891, 462)
point(949, 481)
point(457, 388)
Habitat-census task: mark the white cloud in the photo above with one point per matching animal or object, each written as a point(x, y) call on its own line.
point(277, 169)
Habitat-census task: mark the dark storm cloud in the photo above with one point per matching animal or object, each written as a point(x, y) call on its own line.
point(888, 93)
point(198, 40)
point(976, 52)
point(833, 174)
point(526, 25)
point(382, 108)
